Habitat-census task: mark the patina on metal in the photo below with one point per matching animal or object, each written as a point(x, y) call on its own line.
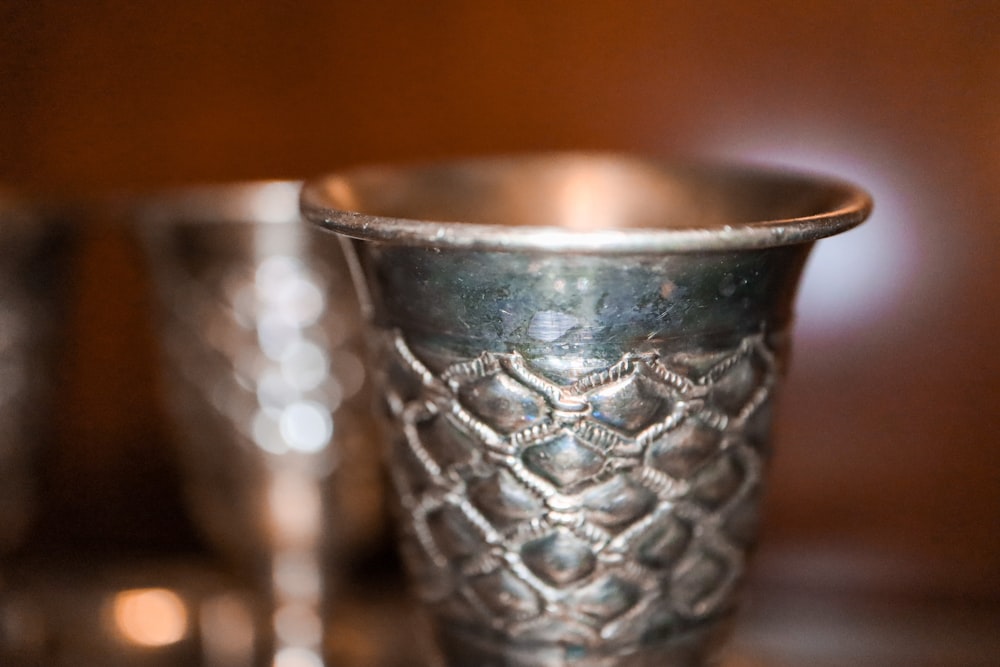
point(580, 354)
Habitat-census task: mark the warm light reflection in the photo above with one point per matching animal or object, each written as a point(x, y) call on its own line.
point(150, 617)
point(584, 200)
point(605, 196)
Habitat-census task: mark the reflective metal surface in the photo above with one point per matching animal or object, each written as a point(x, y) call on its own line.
point(580, 354)
point(35, 246)
point(586, 203)
point(259, 329)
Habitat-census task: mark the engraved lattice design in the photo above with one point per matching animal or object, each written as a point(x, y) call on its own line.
point(604, 510)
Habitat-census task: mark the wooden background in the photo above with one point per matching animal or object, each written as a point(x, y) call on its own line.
point(888, 468)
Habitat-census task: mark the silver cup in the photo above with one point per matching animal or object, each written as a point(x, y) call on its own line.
point(35, 251)
point(259, 327)
point(580, 354)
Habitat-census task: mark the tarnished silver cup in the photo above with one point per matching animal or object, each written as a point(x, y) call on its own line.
point(260, 330)
point(36, 241)
point(580, 354)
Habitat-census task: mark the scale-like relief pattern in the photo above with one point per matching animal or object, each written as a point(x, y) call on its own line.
point(606, 510)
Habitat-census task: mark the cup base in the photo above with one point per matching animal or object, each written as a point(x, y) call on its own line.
point(700, 646)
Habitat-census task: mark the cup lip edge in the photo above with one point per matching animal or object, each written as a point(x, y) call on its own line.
point(854, 209)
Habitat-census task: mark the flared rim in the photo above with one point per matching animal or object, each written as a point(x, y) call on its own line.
point(330, 202)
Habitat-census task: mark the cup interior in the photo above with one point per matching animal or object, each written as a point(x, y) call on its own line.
point(584, 192)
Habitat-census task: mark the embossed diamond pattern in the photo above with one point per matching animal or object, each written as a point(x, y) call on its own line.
point(573, 507)
point(564, 460)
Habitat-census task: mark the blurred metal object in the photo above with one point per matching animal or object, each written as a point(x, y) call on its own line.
point(260, 332)
point(35, 247)
point(580, 354)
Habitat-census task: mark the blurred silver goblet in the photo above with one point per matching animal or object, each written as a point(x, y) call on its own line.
point(259, 330)
point(580, 354)
point(35, 251)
